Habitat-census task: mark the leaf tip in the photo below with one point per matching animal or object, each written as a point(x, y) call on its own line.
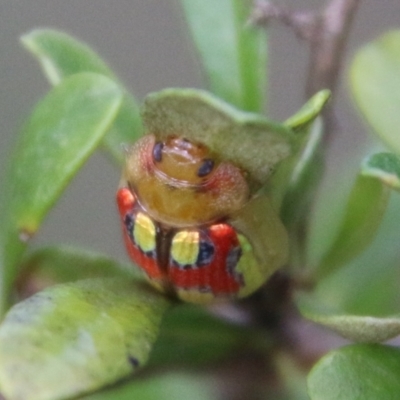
point(385, 167)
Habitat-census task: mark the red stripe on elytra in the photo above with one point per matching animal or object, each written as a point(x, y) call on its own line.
point(145, 262)
point(126, 201)
point(215, 276)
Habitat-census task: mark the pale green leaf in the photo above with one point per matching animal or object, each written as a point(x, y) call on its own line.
point(385, 167)
point(260, 223)
point(375, 83)
point(365, 208)
point(309, 111)
point(294, 183)
point(75, 338)
point(64, 129)
point(246, 139)
point(358, 372)
point(192, 336)
point(233, 53)
point(60, 264)
point(368, 284)
point(358, 328)
point(169, 386)
point(304, 174)
point(60, 56)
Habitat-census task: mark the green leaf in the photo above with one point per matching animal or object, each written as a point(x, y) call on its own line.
point(309, 112)
point(366, 206)
point(246, 139)
point(375, 84)
point(357, 328)
point(61, 264)
point(365, 286)
point(64, 129)
point(304, 174)
point(259, 221)
point(233, 53)
point(293, 184)
point(367, 372)
point(75, 338)
point(385, 167)
point(169, 386)
point(60, 56)
point(292, 378)
point(365, 209)
point(192, 336)
point(303, 168)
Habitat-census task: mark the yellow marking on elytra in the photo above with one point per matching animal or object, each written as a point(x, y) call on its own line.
point(144, 232)
point(185, 247)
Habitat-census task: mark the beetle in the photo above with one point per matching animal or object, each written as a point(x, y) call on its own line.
point(177, 205)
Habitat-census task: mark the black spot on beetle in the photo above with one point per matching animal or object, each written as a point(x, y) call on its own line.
point(231, 261)
point(206, 167)
point(129, 224)
point(157, 151)
point(133, 361)
point(206, 253)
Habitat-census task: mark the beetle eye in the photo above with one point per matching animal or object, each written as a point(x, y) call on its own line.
point(206, 167)
point(157, 151)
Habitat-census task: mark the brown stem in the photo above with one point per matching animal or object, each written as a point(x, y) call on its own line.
point(302, 23)
point(328, 44)
point(327, 32)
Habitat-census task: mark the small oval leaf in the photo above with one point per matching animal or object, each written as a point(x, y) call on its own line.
point(75, 338)
point(304, 173)
point(60, 56)
point(375, 85)
point(246, 139)
point(367, 372)
point(365, 208)
point(385, 167)
point(168, 386)
point(358, 328)
point(234, 54)
point(64, 129)
point(293, 184)
point(192, 336)
point(309, 111)
point(60, 264)
point(260, 223)
point(367, 284)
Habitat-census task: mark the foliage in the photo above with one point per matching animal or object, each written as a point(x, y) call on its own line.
point(100, 321)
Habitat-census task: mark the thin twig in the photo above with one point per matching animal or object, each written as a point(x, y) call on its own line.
point(327, 31)
point(303, 23)
point(328, 45)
